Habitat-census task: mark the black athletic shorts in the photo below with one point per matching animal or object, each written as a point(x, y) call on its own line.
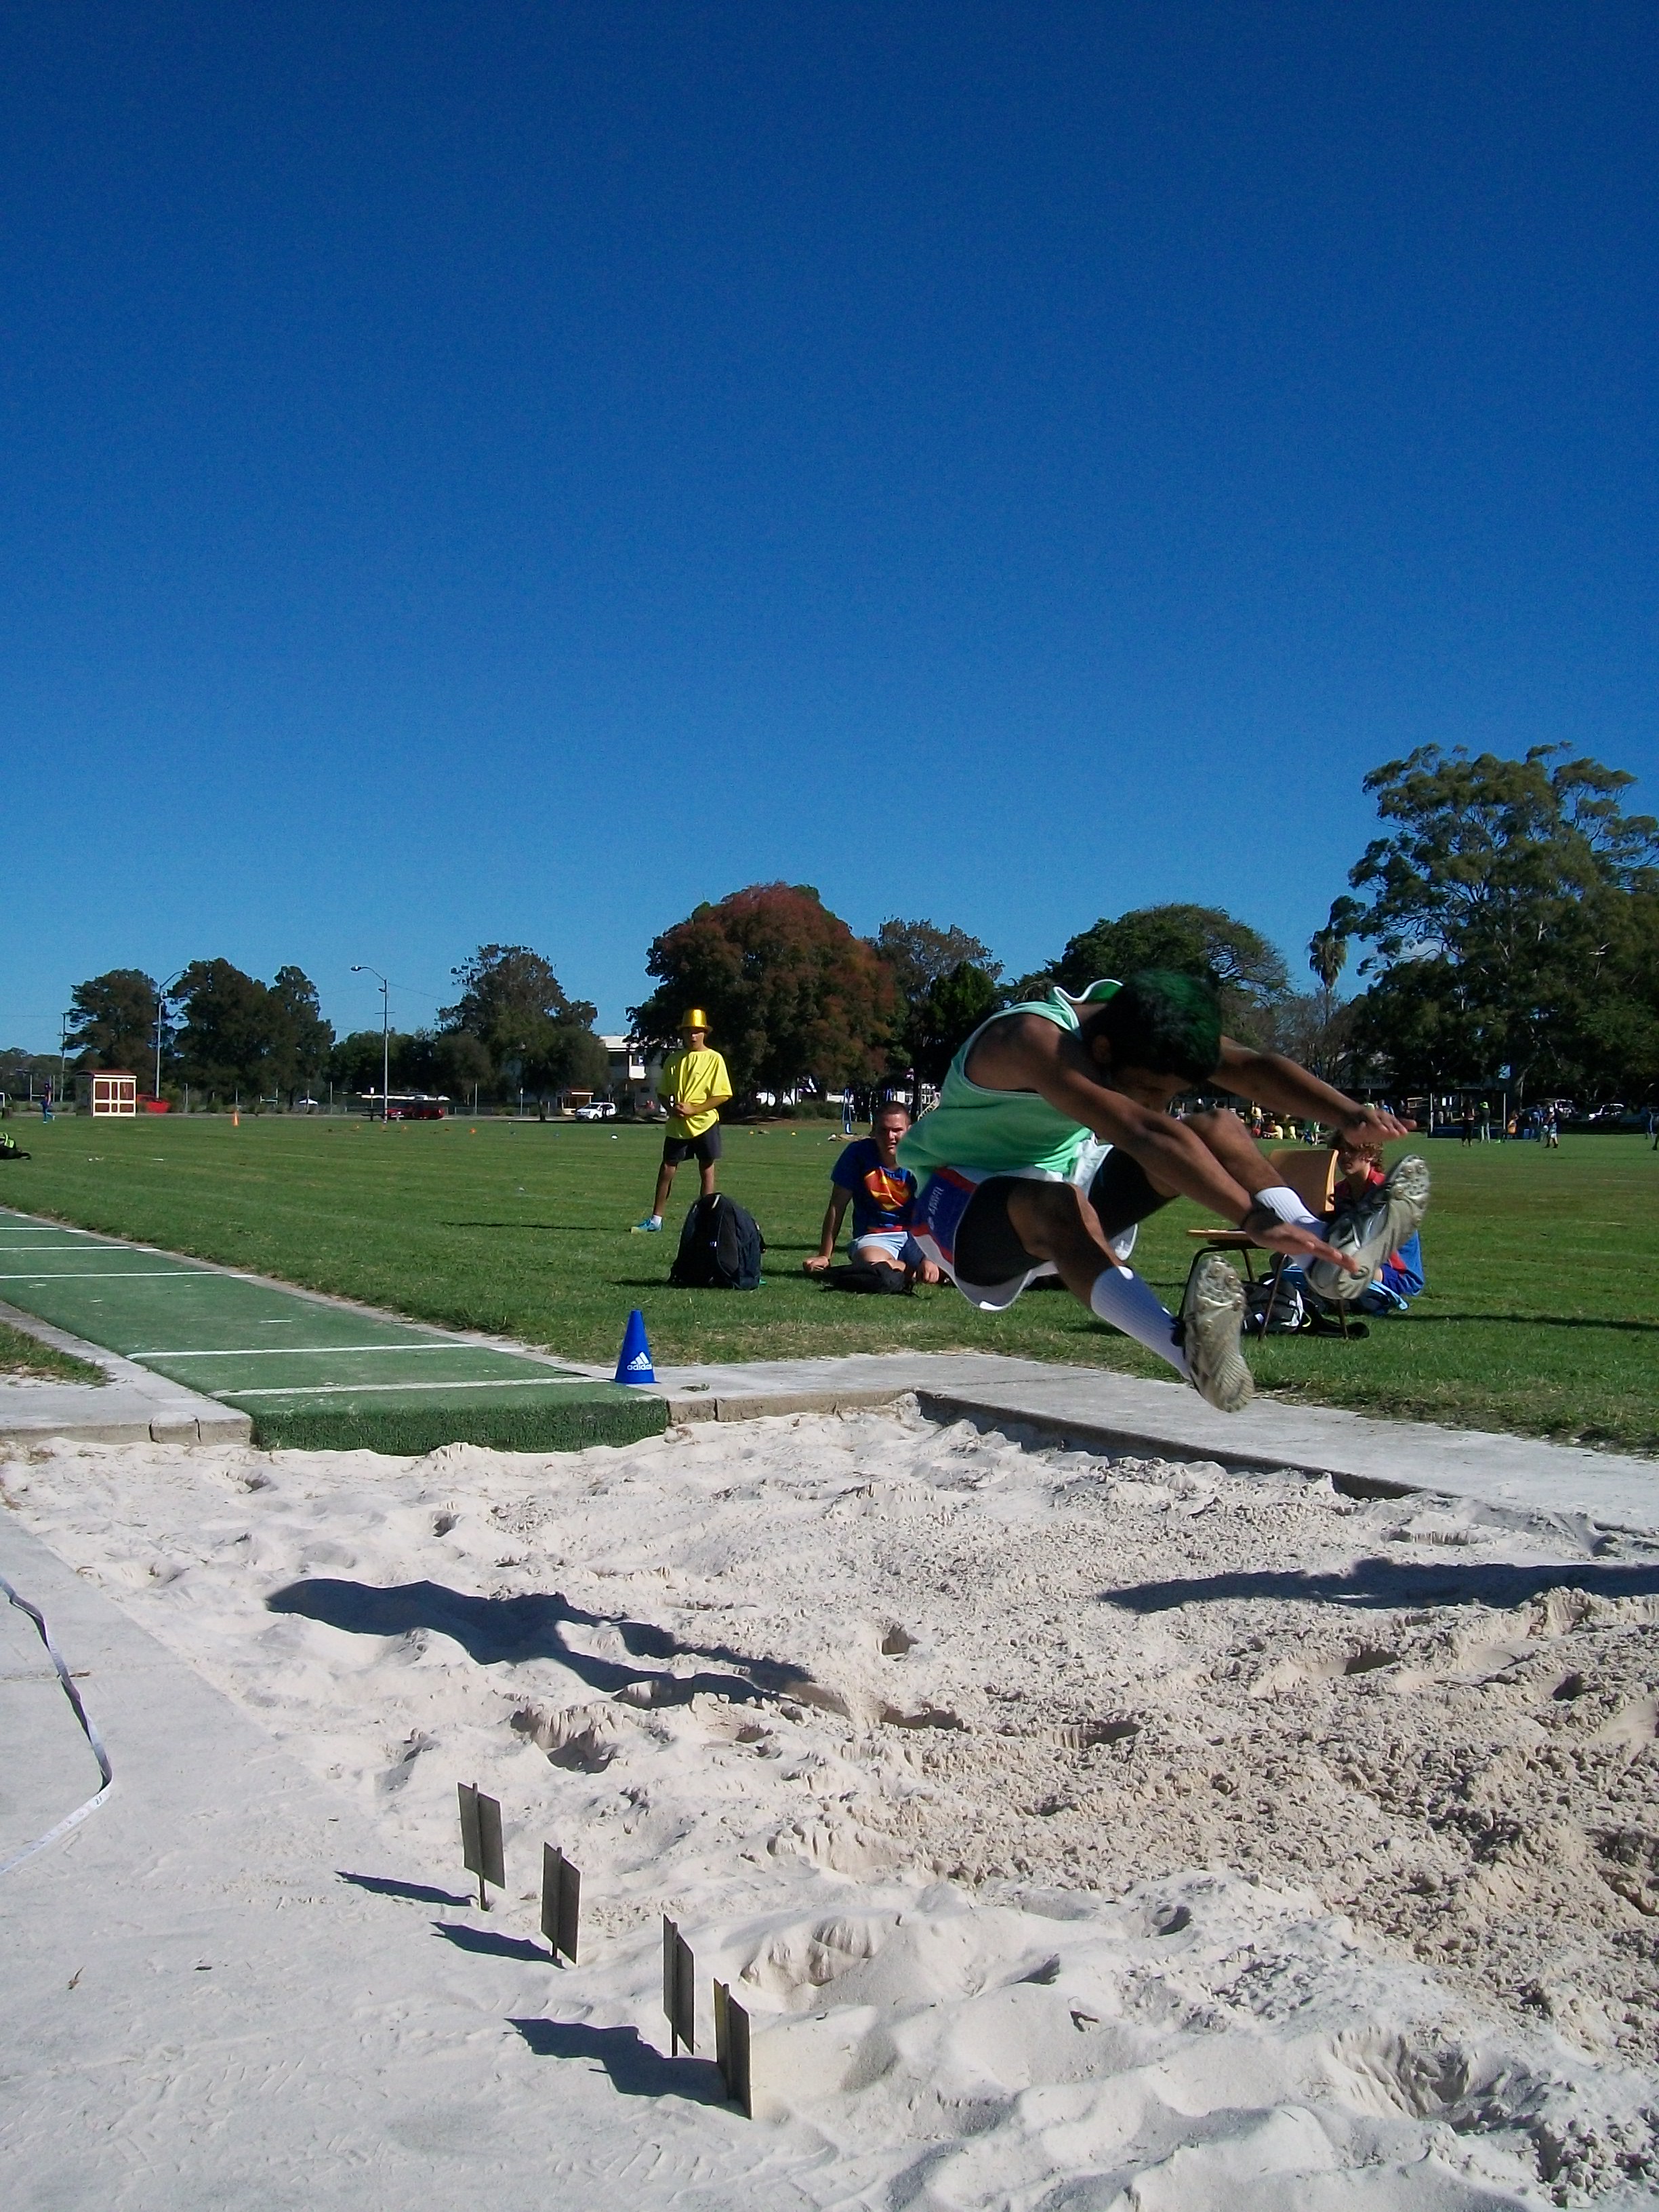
point(705, 1149)
point(989, 1251)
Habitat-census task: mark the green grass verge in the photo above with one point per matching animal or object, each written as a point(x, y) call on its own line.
point(29, 1360)
point(1541, 1316)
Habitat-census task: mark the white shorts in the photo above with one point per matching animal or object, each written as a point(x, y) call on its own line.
point(897, 1244)
point(950, 1192)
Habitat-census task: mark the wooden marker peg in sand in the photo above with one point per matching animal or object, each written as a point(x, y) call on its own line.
point(562, 1902)
point(731, 2048)
point(679, 1989)
point(481, 1838)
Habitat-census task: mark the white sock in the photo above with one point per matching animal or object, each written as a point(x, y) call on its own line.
point(655, 1219)
point(1283, 1202)
point(1122, 1300)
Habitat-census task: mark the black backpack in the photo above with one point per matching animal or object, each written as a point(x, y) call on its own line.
point(721, 1248)
point(863, 1275)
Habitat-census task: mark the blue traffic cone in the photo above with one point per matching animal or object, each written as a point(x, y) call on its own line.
point(633, 1361)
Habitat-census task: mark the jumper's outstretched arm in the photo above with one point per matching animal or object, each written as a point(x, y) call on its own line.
point(1268, 1078)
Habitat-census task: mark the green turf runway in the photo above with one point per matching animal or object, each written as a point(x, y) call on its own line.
point(310, 1376)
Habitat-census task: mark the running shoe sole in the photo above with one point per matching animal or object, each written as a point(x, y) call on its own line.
point(1212, 1321)
point(1371, 1233)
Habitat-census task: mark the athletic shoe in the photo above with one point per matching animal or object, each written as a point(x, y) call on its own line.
point(1372, 1230)
point(1212, 1318)
point(646, 1228)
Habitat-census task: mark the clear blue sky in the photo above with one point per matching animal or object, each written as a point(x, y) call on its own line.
point(508, 472)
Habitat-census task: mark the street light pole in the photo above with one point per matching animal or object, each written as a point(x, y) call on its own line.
point(362, 967)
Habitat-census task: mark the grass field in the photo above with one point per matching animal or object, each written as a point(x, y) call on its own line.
point(25, 1360)
point(1541, 1314)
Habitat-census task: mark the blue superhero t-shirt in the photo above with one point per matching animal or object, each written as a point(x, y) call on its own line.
point(1402, 1271)
point(882, 1197)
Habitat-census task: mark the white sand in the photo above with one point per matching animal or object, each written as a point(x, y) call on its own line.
point(1079, 1833)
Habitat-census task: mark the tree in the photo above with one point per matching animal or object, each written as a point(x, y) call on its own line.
point(512, 1004)
point(24, 1074)
point(921, 954)
point(299, 1039)
point(924, 959)
point(242, 1036)
point(1237, 961)
point(355, 1061)
point(1328, 956)
point(114, 1021)
point(791, 993)
point(946, 1015)
point(459, 1064)
point(1315, 1028)
point(562, 1057)
point(224, 1042)
point(1619, 1025)
point(1506, 902)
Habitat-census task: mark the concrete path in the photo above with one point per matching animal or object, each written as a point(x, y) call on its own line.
point(1094, 1408)
point(203, 2010)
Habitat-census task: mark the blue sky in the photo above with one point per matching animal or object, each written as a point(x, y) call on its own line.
point(508, 472)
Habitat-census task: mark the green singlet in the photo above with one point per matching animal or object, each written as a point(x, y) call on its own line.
point(998, 1132)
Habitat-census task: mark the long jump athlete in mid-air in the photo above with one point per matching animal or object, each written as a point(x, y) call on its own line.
point(1052, 1141)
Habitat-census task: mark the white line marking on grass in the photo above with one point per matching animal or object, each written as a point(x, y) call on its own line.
point(352, 1389)
point(105, 1276)
point(309, 1351)
point(60, 1248)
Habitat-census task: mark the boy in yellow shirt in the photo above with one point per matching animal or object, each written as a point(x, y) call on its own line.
point(695, 1084)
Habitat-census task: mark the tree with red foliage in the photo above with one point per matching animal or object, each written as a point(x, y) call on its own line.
point(792, 996)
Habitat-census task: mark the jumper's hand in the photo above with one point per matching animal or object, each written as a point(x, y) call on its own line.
point(1370, 1126)
point(818, 1263)
point(1276, 1235)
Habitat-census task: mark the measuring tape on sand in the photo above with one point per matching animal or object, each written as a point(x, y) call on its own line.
point(70, 1819)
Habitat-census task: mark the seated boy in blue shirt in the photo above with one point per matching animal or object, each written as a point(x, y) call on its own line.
point(1400, 1279)
point(868, 1176)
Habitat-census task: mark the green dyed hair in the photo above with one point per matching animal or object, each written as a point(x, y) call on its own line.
point(1168, 1024)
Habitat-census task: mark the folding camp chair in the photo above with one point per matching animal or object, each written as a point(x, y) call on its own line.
point(1311, 1173)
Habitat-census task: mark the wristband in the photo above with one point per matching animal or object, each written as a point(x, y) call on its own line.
point(1260, 1217)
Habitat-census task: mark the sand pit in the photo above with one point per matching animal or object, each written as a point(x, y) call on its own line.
point(1080, 1832)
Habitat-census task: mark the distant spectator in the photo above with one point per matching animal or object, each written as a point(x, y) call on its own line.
point(868, 1176)
point(1469, 1125)
point(696, 1085)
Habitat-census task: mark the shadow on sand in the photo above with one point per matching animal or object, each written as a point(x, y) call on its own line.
point(1384, 1583)
point(636, 2069)
point(494, 1630)
point(418, 1893)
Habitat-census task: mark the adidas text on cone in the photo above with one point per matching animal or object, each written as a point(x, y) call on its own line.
point(633, 1361)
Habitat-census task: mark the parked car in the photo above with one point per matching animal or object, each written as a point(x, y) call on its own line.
point(596, 1110)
